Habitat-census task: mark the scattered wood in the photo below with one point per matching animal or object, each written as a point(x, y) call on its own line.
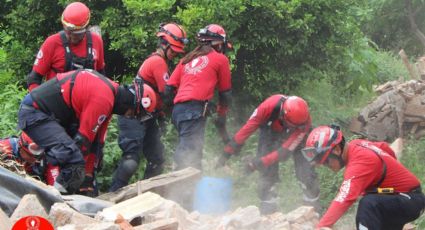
point(407, 64)
point(138, 206)
point(166, 185)
point(398, 111)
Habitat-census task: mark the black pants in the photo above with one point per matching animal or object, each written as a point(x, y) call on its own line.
point(190, 124)
point(389, 212)
point(305, 173)
point(60, 148)
point(137, 138)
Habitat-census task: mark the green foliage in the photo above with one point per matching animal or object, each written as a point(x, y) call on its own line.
point(390, 28)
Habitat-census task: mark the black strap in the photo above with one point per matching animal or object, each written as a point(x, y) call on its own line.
point(89, 47)
point(68, 54)
point(384, 167)
point(276, 111)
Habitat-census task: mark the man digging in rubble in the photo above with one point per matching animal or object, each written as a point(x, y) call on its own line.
point(284, 122)
point(24, 151)
point(392, 195)
point(68, 117)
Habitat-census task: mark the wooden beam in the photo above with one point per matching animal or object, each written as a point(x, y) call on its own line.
point(164, 185)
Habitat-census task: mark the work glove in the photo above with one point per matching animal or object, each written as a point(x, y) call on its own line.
point(87, 187)
point(70, 178)
point(232, 148)
point(252, 165)
point(221, 162)
point(220, 124)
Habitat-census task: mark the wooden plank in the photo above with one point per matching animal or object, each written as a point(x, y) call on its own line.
point(163, 185)
point(138, 206)
point(406, 62)
point(397, 147)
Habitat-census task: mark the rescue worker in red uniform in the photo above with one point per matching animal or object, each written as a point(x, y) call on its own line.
point(284, 122)
point(392, 195)
point(73, 48)
point(195, 78)
point(137, 137)
point(23, 150)
point(68, 116)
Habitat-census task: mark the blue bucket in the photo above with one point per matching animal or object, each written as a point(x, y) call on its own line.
point(213, 195)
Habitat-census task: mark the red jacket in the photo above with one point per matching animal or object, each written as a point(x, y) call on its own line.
point(50, 59)
point(197, 79)
point(10, 147)
point(92, 103)
point(154, 72)
point(362, 171)
point(261, 117)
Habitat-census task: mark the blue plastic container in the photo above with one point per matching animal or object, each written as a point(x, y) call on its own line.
point(213, 195)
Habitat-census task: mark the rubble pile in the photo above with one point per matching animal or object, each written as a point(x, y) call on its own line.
point(398, 111)
point(149, 205)
point(149, 211)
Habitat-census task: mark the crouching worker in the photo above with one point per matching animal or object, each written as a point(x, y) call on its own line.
point(284, 123)
point(24, 151)
point(68, 116)
point(392, 195)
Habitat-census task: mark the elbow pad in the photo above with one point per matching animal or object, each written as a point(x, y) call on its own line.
point(225, 98)
point(83, 143)
point(169, 95)
point(34, 78)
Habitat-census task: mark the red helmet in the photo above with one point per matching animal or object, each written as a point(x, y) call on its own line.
point(295, 111)
point(174, 35)
point(29, 146)
point(76, 17)
point(320, 143)
point(145, 99)
point(213, 32)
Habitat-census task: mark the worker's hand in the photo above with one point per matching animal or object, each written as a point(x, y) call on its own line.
point(87, 187)
point(232, 148)
point(252, 165)
point(221, 162)
point(220, 121)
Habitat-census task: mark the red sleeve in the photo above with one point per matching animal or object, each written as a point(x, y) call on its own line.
point(258, 117)
point(51, 173)
point(90, 160)
point(160, 72)
point(176, 75)
point(359, 174)
point(43, 61)
point(101, 56)
point(93, 117)
point(224, 76)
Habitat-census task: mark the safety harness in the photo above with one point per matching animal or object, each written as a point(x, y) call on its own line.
point(276, 111)
point(72, 61)
point(49, 97)
point(375, 188)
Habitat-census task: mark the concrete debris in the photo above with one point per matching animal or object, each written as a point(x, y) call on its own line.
point(6, 224)
point(61, 214)
point(28, 206)
point(398, 111)
point(150, 211)
point(98, 226)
